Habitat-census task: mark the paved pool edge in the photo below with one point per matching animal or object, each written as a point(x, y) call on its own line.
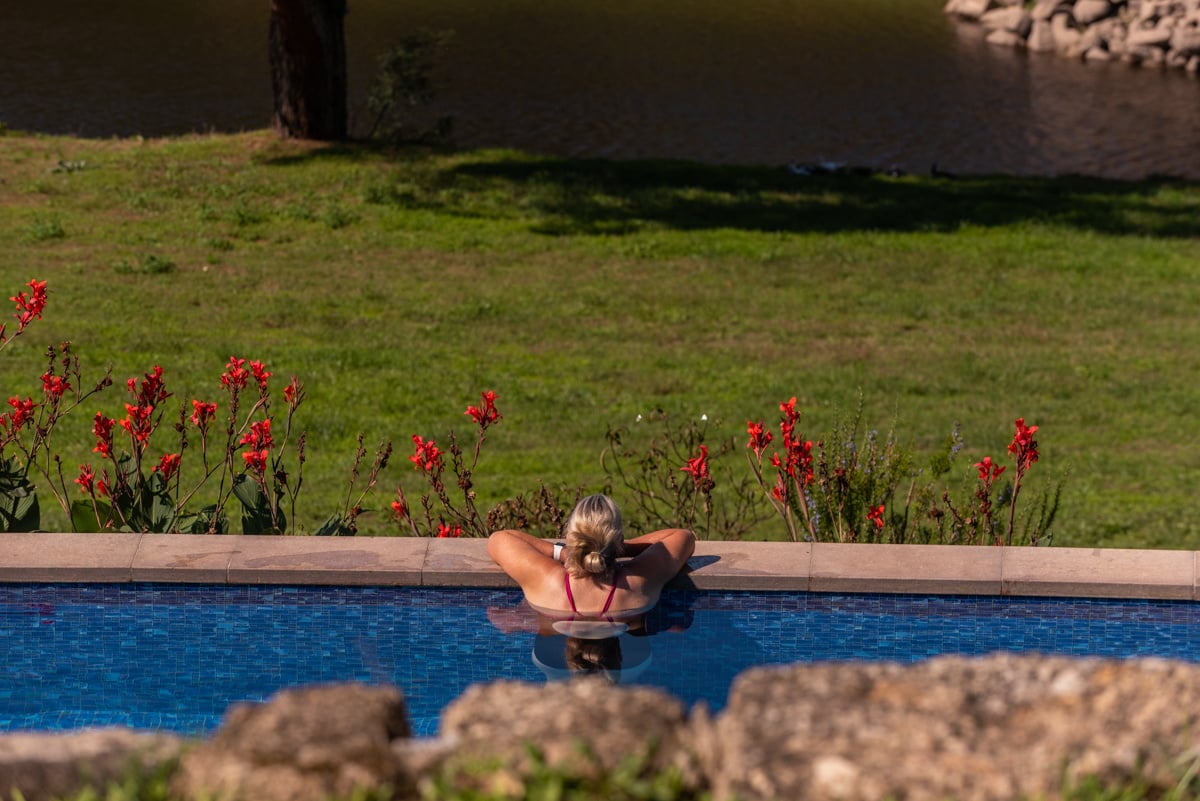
point(407, 561)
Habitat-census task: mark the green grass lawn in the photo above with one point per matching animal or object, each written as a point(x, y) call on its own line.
point(398, 285)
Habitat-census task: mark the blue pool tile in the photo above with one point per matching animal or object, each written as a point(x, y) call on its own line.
point(174, 657)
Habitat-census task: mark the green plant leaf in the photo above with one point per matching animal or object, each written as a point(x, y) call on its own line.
point(256, 512)
point(84, 518)
point(20, 512)
point(331, 528)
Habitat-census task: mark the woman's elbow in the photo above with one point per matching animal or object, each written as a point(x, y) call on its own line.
point(687, 542)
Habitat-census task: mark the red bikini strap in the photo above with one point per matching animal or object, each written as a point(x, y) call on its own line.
point(611, 593)
point(570, 597)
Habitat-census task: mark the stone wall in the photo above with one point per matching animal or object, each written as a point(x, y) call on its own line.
point(1000, 727)
point(1150, 33)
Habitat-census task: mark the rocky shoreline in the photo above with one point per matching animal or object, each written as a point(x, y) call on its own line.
point(1162, 34)
point(988, 729)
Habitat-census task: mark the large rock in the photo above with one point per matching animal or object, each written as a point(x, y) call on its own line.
point(990, 729)
point(304, 744)
point(1041, 37)
point(969, 9)
point(1011, 18)
point(580, 727)
point(1186, 39)
point(1149, 37)
point(1088, 11)
point(43, 765)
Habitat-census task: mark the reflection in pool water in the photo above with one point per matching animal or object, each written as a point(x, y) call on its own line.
point(175, 656)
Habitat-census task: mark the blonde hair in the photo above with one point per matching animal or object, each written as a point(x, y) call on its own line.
point(594, 535)
point(594, 657)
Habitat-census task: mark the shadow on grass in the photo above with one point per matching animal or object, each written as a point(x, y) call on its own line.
point(562, 196)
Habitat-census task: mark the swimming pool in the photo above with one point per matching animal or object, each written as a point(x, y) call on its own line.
point(173, 657)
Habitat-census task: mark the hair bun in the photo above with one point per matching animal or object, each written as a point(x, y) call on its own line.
point(595, 562)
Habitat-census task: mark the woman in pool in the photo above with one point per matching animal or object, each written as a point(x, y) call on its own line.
point(587, 577)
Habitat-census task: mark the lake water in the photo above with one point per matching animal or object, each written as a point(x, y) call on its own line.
point(879, 83)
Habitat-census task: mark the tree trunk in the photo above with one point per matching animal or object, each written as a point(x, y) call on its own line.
point(308, 68)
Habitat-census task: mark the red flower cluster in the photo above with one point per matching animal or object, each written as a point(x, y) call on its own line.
point(21, 414)
point(760, 438)
point(87, 479)
point(203, 414)
point(260, 373)
point(55, 385)
point(484, 414)
point(293, 393)
point(236, 376)
point(445, 531)
point(1023, 446)
point(139, 416)
point(697, 467)
point(875, 515)
point(90, 484)
point(102, 429)
point(988, 471)
point(138, 423)
point(799, 452)
point(427, 456)
point(151, 392)
point(259, 440)
point(168, 465)
point(31, 306)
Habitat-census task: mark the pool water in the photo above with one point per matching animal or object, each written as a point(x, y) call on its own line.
point(174, 657)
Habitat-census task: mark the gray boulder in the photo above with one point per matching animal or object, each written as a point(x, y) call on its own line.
point(989, 729)
point(1088, 11)
point(43, 765)
point(1148, 37)
point(1185, 39)
point(1041, 37)
point(302, 745)
point(580, 727)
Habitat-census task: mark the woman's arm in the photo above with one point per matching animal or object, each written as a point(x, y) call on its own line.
point(659, 555)
point(522, 556)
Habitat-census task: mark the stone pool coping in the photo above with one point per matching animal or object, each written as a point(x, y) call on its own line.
point(407, 561)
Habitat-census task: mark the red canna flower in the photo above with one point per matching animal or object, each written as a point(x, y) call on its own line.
point(139, 423)
point(259, 435)
point(760, 438)
point(87, 479)
point(31, 306)
point(261, 374)
point(485, 414)
point(697, 467)
point(875, 515)
point(151, 391)
point(21, 414)
point(293, 393)
point(988, 471)
point(168, 465)
point(55, 385)
point(236, 375)
point(203, 414)
point(788, 408)
point(256, 460)
point(427, 456)
point(102, 428)
point(1023, 446)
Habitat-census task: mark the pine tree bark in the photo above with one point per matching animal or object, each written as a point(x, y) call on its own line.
point(308, 68)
